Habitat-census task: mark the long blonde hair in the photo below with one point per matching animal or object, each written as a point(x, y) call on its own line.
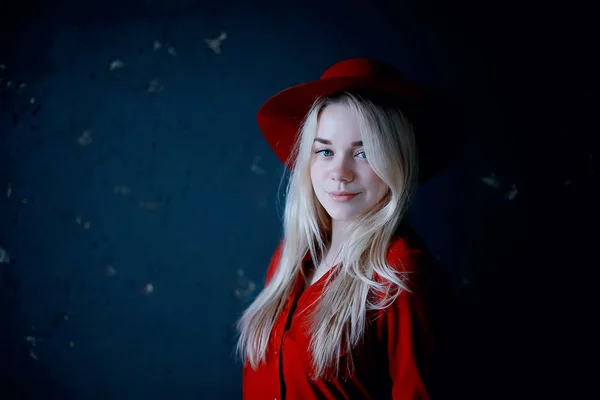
point(339, 320)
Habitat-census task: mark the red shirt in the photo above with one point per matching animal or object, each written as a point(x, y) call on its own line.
point(388, 364)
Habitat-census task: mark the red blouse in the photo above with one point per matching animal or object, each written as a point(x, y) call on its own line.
point(389, 364)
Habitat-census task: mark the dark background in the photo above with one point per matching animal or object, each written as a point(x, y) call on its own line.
point(178, 189)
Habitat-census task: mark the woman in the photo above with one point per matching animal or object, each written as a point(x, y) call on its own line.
point(342, 315)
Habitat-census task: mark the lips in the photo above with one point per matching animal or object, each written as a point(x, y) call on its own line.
point(342, 193)
point(342, 196)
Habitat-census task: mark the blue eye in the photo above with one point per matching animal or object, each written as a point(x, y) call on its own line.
point(329, 153)
point(322, 152)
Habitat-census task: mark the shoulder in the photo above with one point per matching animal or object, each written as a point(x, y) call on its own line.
point(408, 261)
point(402, 256)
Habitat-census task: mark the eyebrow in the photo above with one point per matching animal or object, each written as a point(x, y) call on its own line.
point(324, 141)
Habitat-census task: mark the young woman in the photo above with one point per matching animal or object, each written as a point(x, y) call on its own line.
point(343, 314)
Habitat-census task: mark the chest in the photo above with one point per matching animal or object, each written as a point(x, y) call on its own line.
point(289, 364)
point(291, 338)
point(313, 275)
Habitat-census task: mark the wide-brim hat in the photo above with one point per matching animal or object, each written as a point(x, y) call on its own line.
point(280, 117)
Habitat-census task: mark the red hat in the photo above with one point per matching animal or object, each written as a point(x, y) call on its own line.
point(280, 117)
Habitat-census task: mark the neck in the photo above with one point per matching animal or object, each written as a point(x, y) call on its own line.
point(338, 234)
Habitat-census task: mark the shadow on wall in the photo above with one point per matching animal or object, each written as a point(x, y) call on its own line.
point(439, 130)
point(477, 329)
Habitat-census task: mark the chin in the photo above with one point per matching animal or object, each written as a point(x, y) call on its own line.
point(340, 215)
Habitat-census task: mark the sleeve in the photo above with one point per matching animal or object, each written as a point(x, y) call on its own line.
point(406, 330)
point(270, 272)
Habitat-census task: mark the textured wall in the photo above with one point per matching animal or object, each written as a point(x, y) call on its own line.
point(139, 198)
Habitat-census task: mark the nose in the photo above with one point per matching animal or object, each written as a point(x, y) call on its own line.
point(341, 169)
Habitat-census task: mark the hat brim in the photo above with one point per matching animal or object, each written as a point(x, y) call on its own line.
point(280, 116)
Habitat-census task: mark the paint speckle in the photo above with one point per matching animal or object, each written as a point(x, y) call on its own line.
point(148, 288)
point(244, 286)
point(85, 139)
point(491, 181)
point(148, 205)
point(110, 271)
point(254, 167)
point(122, 190)
point(154, 86)
point(4, 256)
point(215, 43)
point(512, 193)
point(116, 64)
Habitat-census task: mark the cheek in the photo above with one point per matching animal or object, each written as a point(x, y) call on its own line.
point(378, 187)
point(314, 180)
point(316, 174)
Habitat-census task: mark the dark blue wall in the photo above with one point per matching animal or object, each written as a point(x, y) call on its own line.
point(180, 189)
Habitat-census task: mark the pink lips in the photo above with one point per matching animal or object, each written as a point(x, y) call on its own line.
point(342, 196)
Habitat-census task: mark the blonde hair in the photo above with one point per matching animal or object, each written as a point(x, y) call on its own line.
point(339, 319)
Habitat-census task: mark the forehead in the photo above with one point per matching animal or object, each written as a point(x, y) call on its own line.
point(339, 124)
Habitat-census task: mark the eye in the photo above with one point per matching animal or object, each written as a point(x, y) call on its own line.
point(361, 154)
point(324, 152)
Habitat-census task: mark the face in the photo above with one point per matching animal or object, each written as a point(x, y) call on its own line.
point(341, 176)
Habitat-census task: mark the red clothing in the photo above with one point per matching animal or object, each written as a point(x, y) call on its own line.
point(388, 365)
